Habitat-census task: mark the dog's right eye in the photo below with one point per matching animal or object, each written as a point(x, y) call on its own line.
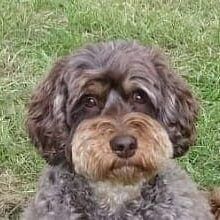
point(90, 101)
point(139, 96)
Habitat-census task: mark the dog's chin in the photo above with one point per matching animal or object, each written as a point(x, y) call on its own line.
point(119, 171)
point(127, 175)
point(127, 172)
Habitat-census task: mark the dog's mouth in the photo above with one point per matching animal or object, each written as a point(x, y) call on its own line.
point(126, 163)
point(127, 171)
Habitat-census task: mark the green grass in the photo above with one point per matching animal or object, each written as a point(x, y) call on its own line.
point(34, 33)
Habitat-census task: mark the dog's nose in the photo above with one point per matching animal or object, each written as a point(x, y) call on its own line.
point(124, 146)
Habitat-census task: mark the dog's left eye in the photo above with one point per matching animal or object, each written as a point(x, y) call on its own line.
point(90, 101)
point(139, 96)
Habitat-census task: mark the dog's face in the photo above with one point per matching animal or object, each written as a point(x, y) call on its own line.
point(125, 148)
point(113, 80)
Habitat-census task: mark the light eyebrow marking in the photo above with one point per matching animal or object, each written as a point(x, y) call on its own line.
point(142, 78)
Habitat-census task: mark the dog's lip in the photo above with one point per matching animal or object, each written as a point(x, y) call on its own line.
point(118, 164)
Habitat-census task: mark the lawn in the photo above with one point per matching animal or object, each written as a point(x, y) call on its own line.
point(34, 33)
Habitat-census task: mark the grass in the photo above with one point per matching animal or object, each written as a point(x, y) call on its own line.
point(34, 33)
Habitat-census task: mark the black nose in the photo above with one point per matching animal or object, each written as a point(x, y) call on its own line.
point(124, 146)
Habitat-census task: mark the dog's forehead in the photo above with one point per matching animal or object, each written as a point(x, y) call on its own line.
point(101, 67)
point(115, 74)
point(98, 83)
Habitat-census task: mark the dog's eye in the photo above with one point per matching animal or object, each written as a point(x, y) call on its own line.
point(90, 101)
point(139, 96)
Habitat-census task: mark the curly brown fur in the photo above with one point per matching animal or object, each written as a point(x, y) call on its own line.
point(213, 197)
point(115, 74)
point(215, 202)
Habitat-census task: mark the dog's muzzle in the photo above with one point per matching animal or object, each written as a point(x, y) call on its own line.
point(129, 148)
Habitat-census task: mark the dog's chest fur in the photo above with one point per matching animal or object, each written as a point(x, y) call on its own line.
point(65, 195)
point(112, 196)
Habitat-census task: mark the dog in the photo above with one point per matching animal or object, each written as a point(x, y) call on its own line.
point(109, 120)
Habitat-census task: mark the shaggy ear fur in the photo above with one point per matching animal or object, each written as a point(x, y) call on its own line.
point(179, 109)
point(46, 118)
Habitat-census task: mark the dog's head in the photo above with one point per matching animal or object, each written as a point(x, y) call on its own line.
point(110, 79)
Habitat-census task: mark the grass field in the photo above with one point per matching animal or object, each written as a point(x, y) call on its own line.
point(34, 33)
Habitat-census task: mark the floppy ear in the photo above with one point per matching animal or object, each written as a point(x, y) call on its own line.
point(179, 109)
point(46, 115)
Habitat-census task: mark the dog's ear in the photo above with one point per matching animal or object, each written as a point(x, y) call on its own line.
point(46, 115)
point(179, 109)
